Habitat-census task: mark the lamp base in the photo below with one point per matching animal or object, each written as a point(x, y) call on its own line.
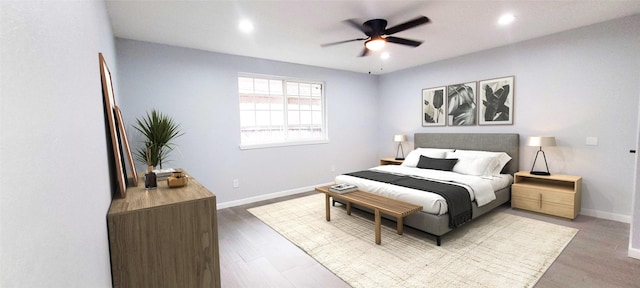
point(399, 158)
point(540, 173)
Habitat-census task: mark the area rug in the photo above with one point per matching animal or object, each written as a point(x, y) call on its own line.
point(495, 250)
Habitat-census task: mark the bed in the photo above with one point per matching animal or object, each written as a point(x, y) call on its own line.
point(437, 217)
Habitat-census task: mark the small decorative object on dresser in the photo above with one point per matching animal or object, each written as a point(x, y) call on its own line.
point(177, 179)
point(150, 179)
point(558, 195)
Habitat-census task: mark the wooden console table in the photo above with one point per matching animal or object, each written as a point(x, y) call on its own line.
point(164, 237)
point(379, 204)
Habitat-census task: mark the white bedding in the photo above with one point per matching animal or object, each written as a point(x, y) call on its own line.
point(481, 189)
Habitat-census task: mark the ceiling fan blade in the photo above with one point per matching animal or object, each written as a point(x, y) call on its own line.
point(365, 52)
point(407, 25)
point(358, 26)
point(340, 42)
point(403, 41)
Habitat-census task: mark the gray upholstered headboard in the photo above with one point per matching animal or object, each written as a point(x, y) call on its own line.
point(497, 142)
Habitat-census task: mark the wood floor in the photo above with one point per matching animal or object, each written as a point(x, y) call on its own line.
point(253, 255)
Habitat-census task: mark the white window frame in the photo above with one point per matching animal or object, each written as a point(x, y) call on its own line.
point(286, 140)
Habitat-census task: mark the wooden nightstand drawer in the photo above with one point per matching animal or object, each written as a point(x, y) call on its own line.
point(556, 194)
point(549, 202)
point(565, 198)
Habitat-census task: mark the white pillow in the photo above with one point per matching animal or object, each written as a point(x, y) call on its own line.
point(414, 156)
point(502, 157)
point(470, 164)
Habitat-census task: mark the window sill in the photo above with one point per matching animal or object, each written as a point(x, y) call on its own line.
point(282, 144)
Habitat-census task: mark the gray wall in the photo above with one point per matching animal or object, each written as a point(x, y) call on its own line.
point(54, 177)
point(570, 85)
point(199, 90)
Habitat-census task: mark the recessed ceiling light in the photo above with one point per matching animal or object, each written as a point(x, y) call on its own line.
point(384, 55)
point(245, 26)
point(506, 19)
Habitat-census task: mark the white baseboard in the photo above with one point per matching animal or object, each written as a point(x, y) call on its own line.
point(268, 196)
point(587, 212)
point(634, 253)
point(606, 215)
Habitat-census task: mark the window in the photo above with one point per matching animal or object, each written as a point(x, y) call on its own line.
point(277, 111)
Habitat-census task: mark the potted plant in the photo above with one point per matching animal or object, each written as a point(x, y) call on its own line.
point(159, 130)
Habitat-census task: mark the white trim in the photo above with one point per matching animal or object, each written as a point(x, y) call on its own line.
point(268, 196)
point(606, 215)
point(586, 212)
point(634, 253)
point(283, 144)
point(635, 216)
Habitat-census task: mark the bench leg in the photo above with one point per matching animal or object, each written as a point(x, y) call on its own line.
point(326, 205)
point(378, 223)
point(400, 226)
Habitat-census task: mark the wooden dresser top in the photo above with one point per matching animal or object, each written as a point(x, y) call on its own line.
point(139, 198)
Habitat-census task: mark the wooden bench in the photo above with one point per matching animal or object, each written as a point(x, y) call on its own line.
point(379, 204)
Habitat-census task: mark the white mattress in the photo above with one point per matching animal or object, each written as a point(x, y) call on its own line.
point(481, 189)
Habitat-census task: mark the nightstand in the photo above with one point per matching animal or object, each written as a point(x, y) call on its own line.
point(390, 161)
point(556, 194)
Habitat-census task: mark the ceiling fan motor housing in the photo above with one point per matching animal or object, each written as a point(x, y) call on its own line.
point(374, 27)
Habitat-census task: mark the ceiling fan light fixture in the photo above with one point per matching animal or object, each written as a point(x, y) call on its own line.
point(375, 44)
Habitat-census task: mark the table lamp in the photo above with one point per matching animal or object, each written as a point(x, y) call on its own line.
point(541, 141)
point(399, 139)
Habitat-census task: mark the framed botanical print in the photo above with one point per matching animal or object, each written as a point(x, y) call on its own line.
point(461, 103)
point(496, 101)
point(434, 107)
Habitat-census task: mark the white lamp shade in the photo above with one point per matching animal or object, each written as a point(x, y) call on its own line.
point(400, 138)
point(540, 141)
point(375, 44)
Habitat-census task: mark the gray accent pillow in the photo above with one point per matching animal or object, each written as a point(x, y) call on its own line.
point(436, 164)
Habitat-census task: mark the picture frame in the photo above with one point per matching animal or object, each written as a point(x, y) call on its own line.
point(462, 105)
point(496, 101)
point(434, 107)
point(125, 145)
point(109, 103)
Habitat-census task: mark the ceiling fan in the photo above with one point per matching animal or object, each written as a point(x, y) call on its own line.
point(378, 34)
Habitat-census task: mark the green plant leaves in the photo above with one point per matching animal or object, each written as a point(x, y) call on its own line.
point(158, 130)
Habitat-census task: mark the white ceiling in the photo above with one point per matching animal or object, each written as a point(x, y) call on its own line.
point(292, 31)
